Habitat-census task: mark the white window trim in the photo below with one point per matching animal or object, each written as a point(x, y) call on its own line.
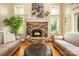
point(15, 9)
point(57, 19)
point(54, 7)
point(74, 20)
point(76, 23)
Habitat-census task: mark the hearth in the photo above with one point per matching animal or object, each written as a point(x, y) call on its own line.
point(36, 33)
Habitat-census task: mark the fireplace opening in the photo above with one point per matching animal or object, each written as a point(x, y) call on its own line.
point(36, 33)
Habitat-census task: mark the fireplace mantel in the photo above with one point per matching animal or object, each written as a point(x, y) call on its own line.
point(36, 20)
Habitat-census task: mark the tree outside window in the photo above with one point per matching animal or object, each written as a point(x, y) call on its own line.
point(78, 23)
point(53, 24)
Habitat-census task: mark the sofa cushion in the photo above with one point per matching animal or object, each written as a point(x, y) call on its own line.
point(68, 48)
point(72, 51)
point(58, 37)
point(8, 38)
point(11, 45)
point(72, 38)
point(4, 51)
point(63, 44)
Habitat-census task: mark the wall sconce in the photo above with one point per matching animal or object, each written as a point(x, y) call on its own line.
point(65, 20)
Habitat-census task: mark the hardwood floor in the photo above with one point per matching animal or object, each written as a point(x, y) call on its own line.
point(23, 45)
point(56, 52)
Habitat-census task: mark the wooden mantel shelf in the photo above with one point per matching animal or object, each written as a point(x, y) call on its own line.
point(37, 20)
point(37, 38)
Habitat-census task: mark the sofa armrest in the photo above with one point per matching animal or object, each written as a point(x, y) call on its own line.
point(58, 37)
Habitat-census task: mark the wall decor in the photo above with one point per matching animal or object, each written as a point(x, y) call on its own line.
point(38, 10)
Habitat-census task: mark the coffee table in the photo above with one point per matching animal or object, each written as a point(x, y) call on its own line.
point(38, 49)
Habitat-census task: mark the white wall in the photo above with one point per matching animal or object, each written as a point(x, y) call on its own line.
point(66, 18)
point(69, 11)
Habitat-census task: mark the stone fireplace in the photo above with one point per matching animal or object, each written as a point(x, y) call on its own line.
point(37, 29)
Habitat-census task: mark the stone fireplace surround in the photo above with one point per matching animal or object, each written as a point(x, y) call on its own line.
point(38, 26)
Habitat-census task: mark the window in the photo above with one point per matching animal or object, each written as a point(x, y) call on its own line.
point(19, 10)
point(54, 11)
point(54, 19)
point(78, 23)
point(54, 24)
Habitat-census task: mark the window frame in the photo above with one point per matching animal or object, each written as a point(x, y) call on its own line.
point(15, 9)
point(58, 18)
point(77, 22)
point(57, 23)
point(58, 7)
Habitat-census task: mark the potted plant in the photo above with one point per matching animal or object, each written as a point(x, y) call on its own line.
point(14, 23)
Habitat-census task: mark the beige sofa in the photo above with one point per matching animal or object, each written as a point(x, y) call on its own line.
point(8, 43)
point(9, 48)
point(68, 44)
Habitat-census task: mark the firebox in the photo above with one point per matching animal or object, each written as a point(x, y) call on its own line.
point(36, 33)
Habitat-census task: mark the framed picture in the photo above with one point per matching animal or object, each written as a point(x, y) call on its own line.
point(38, 10)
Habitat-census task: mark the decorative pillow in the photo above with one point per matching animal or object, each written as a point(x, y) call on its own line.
point(7, 36)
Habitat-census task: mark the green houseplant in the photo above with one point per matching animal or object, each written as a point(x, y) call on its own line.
point(14, 22)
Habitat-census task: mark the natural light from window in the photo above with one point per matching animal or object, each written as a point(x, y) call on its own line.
point(19, 10)
point(54, 19)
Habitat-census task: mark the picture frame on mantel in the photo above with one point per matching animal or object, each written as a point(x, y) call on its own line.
point(37, 10)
